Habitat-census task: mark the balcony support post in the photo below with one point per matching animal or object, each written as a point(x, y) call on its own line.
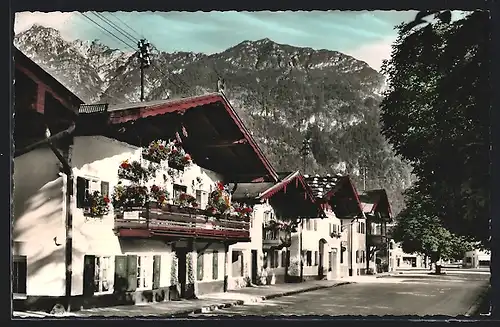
point(226, 265)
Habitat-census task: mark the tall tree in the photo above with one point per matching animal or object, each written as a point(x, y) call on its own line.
point(436, 115)
point(419, 232)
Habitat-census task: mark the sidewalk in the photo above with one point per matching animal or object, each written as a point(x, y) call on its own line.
point(206, 303)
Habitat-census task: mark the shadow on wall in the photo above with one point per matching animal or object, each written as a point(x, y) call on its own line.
point(89, 149)
point(40, 205)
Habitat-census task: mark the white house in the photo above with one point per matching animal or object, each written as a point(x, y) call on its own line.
point(84, 233)
point(477, 259)
point(377, 210)
point(342, 232)
point(277, 210)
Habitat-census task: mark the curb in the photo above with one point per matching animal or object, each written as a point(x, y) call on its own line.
point(474, 309)
point(226, 305)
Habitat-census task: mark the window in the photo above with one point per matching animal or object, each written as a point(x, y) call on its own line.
point(308, 258)
point(283, 258)
point(215, 265)
point(144, 273)
point(330, 262)
point(102, 274)
point(201, 198)
point(363, 257)
point(276, 259)
point(268, 216)
point(178, 189)
point(308, 224)
point(342, 251)
point(357, 256)
point(19, 273)
point(199, 266)
point(86, 186)
point(316, 258)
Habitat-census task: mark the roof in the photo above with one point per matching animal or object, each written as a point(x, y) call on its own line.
point(321, 185)
point(339, 191)
point(92, 108)
point(249, 191)
point(372, 199)
point(297, 177)
point(21, 60)
point(202, 119)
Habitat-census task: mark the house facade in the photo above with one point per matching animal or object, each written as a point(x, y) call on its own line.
point(278, 208)
point(477, 259)
point(377, 210)
point(343, 231)
point(124, 216)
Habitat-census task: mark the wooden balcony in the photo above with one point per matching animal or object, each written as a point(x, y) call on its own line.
point(275, 239)
point(179, 223)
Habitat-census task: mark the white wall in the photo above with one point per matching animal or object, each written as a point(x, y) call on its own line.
point(311, 240)
point(39, 212)
point(38, 218)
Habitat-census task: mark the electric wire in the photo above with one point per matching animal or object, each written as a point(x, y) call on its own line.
point(115, 27)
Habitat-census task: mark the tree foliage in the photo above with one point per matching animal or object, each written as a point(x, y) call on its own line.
point(419, 232)
point(436, 115)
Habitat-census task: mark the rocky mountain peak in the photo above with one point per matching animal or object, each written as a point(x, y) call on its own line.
point(281, 92)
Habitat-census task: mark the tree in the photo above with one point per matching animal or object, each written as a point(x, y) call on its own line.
point(419, 232)
point(436, 115)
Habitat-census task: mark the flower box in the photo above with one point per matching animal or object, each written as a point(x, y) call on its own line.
point(175, 165)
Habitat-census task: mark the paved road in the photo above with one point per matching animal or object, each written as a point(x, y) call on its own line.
point(409, 294)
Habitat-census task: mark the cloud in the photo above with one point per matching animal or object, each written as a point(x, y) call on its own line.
point(374, 53)
point(58, 20)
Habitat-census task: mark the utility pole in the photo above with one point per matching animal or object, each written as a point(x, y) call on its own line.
point(364, 178)
point(304, 151)
point(145, 61)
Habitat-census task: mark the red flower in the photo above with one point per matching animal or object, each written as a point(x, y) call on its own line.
point(161, 198)
point(220, 186)
point(194, 204)
point(106, 199)
point(173, 150)
point(161, 147)
point(125, 165)
point(187, 157)
point(155, 188)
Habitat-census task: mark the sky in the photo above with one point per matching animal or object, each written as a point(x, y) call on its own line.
point(365, 35)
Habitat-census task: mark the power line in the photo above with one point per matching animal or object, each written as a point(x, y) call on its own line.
point(130, 28)
point(106, 30)
point(116, 27)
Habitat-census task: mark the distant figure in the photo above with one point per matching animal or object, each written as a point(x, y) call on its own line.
point(221, 84)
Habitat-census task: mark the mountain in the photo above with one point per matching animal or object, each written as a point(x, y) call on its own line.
point(281, 92)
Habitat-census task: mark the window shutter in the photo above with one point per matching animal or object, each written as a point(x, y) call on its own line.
point(283, 258)
point(105, 188)
point(199, 266)
point(156, 271)
point(131, 273)
point(316, 259)
point(121, 276)
point(88, 275)
point(315, 225)
point(357, 256)
point(330, 228)
point(81, 184)
point(215, 265)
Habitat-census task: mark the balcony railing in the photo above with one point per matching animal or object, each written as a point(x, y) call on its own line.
point(272, 238)
point(175, 222)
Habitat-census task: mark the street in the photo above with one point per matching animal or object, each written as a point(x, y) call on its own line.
point(409, 294)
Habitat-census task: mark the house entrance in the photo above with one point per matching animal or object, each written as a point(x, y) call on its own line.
point(254, 267)
point(182, 271)
point(321, 259)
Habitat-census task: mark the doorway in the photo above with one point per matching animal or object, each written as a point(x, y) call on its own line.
point(321, 258)
point(254, 267)
point(182, 271)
